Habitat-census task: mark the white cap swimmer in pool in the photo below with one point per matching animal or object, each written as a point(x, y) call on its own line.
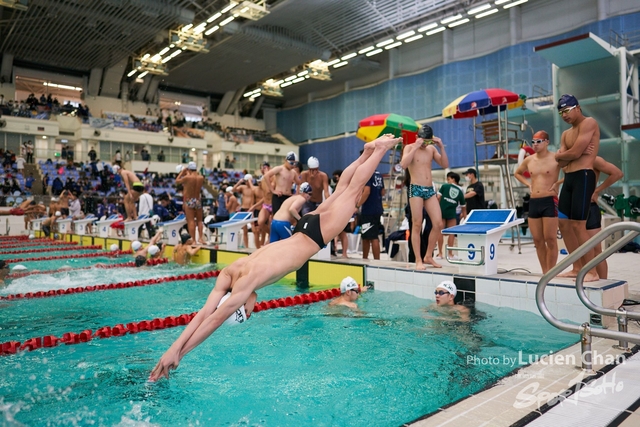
point(136, 245)
point(153, 249)
point(313, 163)
point(448, 286)
point(32, 236)
point(18, 267)
point(114, 247)
point(240, 315)
point(348, 284)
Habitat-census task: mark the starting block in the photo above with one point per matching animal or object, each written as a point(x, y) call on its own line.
point(131, 227)
point(232, 228)
point(80, 225)
point(104, 225)
point(64, 225)
point(172, 229)
point(36, 224)
point(478, 239)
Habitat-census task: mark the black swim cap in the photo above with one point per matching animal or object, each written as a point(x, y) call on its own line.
point(184, 238)
point(141, 260)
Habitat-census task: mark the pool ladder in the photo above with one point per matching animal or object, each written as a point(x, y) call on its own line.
point(585, 331)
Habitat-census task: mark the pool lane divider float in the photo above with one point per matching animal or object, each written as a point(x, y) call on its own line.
point(54, 249)
point(69, 338)
point(119, 285)
point(36, 242)
point(150, 262)
point(89, 255)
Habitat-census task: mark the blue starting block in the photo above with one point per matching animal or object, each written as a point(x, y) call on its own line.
point(81, 225)
point(172, 228)
point(478, 239)
point(232, 227)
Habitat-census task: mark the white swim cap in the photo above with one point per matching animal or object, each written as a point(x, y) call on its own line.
point(240, 316)
point(19, 267)
point(192, 166)
point(32, 236)
point(229, 190)
point(248, 177)
point(153, 249)
point(179, 168)
point(115, 168)
point(347, 284)
point(136, 245)
point(292, 156)
point(58, 213)
point(305, 188)
point(448, 286)
point(114, 247)
point(313, 163)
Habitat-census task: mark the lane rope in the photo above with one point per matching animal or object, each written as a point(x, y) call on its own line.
point(36, 242)
point(91, 255)
point(150, 262)
point(54, 249)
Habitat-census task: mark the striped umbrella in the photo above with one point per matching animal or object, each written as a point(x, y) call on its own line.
point(372, 127)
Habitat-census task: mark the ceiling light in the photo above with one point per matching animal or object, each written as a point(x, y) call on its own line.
point(172, 45)
point(244, 10)
point(167, 59)
point(340, 64)
point(176, 53)
point(146, 55)
point(479, 9)
point(143, 74)
point(288, 79)
point(366, 49)
point(384, 43)
point(428, 27)
point(230, 6)
point(349, 56)
point(335, 61)
point(487, 13)
point(501, 1)
point(187, 27)
point(163, 51)
point(460, 22)
point(414, 38)
point(212, 30)
point(193, 149)
point(374, 52)
point(391, 46)
point(132, 72)
point(156, 58)
point(405, 35)
point(200, 28)
point(279, 82)
point(226, 21)
point(248, 94)
point(515, 3)
point(451, 19)
point(303, 73)
point(286, 84)
point(437, 30)
point(214, 17)
point(298, 80)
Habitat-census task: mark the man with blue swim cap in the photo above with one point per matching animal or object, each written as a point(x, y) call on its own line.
point(272, 262)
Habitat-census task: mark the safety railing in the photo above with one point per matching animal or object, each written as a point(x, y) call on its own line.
point(584, 329)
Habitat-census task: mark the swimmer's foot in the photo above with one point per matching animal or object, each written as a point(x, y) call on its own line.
point(431, 261)
point(591, 277)
point(387, 142)
point(570, 274)
point(420, 266)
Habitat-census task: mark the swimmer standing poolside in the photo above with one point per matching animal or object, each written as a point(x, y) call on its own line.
point(267, 265)
point(192, 183)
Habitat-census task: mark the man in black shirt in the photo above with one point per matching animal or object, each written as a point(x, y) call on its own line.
point(475, 191)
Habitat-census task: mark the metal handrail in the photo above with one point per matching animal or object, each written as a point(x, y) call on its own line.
point(448, 248)
point(585, 330)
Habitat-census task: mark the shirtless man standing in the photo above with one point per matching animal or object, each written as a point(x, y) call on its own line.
point(285, 176)
point(192, 183)
point(417, 158)
point(63, 203)
point(289, 214)
point(543, 205)
point(131, 182)
point(319, 182)
point(258, 197)
point(578, 150)
point(245, 186)
point(231, 201)
point(267, 265)
point(264, 217)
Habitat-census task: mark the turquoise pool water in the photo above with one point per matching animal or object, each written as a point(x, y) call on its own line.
point(9, 257)
point(304, 365)
point(73, 262)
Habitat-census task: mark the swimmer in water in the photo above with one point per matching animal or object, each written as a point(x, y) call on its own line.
point(445, 306)
point(350, 292)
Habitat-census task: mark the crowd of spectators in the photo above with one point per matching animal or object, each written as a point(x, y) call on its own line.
point(41, 108)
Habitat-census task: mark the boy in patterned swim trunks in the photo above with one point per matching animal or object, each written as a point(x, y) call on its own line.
point(191, 188)
point(267, 265)
point(417, 158)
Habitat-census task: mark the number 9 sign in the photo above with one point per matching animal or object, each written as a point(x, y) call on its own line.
point(471, 255)
point(492, 251)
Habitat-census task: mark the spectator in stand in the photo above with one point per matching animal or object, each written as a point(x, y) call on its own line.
point(117, 159)
point(57, 186)
point(161, 210)
point(43, 99)
point(28, 183)
point(63, 153)
point(20, 161)
point(92, 155)
point(15, 187)
point(185, 157)
point(75, 208)
point(127, 156)
point(29, 147)
point(475, 191)
point(45, 184)
point(371, 211)
point(161, 156)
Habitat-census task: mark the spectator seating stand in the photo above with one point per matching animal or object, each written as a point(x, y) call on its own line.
point(171, 229)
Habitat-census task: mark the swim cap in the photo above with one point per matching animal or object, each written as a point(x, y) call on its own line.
point(19, 267)
point(179, 168)
point(153, 249)
point(347, 284)
point(115, 168)
point(305, 188)
point(248, 177)
point(292, 157)
point(58, 213)
point(229, 190)
point(448, 286)
point(192, 166)
point(114, 247)
point(240, 315)
point(184, 238)
point(567, 100)
point(313, 163)
point(136, 245)
point(32, 236)
point(141, 260)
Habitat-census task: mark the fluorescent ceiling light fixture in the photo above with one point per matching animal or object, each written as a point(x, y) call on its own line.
point(349, 56)
point(460, 22)
point(288, 79)
point(428, 27)
point(451, 19)
point(286, 84)
point(212, 30)
point(303, 73)
point(156, 58)
point(437, 30)
point(340, 64)
point(487, 13)
point(515, 3)
point(167, 59)
point(414, 38)
point(335, 61)
point(479, 9)
point(307, 76)
point(214, 17)
point(143, 74)
point(200, 28)
point(384, 43)
point(163, 51)
point(230, 6)
point(298, 80)
point(248, 94)
point(172, 45)
point(374, 52)
point(146, 55)
point(244, 9)
point(226, 21)
point(187, 27)
point(132, 72)
point(405, 35)
point(176, 53)
point(392, 45)
point(497, 2)
point(279, 82)
point(366, 49)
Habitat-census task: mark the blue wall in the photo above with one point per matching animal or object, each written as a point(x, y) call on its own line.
point(516, 68)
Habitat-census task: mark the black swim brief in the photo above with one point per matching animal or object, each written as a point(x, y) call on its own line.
point(309, 225)
point(594, 220)
point(576, 193)
point(64, 211)
point(543, 207)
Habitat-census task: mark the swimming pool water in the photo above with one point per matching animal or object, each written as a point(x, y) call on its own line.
point(303, 365)
point(72, 262)
point(9, 257)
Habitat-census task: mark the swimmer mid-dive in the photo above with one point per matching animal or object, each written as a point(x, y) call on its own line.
point(267, 265)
